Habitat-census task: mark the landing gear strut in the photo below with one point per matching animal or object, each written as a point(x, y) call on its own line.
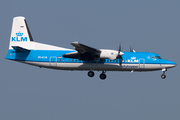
point(163, 76)
point(103, 75)
point(91, 73)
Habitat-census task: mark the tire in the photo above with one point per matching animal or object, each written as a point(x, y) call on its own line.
point(163, 76)
point(102, 76)
point(91, 74)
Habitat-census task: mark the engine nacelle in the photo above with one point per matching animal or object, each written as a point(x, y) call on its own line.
point(109, 54)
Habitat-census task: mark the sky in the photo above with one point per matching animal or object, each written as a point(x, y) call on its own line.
point(32, 93)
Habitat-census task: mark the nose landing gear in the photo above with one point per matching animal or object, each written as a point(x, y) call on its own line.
point(163, 76)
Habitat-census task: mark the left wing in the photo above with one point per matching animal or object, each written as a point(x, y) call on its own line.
point(84, 49)
point(88, 53)
point(83, 52)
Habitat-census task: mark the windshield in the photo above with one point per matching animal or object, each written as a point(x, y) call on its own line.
point(158, 57)
point(155, 57)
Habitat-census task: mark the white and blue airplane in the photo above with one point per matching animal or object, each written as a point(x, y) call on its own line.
point(23, 49)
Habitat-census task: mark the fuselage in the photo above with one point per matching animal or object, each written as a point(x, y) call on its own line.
point(136, 61)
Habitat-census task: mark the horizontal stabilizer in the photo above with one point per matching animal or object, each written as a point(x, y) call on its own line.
point(20, 49)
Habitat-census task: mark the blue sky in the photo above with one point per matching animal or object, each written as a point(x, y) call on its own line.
point(28, 92)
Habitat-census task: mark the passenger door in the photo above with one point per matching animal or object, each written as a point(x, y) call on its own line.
point(53, 61)
point(141, 63)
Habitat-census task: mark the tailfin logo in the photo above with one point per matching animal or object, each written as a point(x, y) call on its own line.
point(19, 38)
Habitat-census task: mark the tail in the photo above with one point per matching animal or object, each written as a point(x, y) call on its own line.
point(20, 34)
point(21, 40)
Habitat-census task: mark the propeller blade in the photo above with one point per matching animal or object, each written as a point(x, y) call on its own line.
point(119, 48)
point(119, 56)
point(120, 60)
point(132, 49)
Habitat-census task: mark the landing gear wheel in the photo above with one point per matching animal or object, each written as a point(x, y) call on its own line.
point(91, 74)
point(102, 76)
point(163, 76)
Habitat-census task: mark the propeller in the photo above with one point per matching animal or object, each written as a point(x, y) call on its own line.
point(132, 49)
point(119, 56)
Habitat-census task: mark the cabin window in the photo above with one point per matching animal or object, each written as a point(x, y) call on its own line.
point(122, 60)
point(63, 59)
point(152, 57)
point(59, 59)
point(76, 60)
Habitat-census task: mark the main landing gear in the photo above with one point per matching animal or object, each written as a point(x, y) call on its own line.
point(91, 73)
point(163, 76)
point(102, 75)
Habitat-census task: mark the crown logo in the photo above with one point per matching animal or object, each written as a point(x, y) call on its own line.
point(133, 58)
point(19, 34)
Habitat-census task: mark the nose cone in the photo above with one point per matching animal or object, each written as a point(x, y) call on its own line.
point(174, 64)
point(168, 64)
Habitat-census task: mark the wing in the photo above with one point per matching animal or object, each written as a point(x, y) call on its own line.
point(84, 49)
point(83, 52)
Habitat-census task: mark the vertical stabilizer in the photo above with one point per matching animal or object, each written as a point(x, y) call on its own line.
point(20, 34)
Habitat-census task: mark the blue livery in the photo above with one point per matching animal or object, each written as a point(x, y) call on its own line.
point(23, 49)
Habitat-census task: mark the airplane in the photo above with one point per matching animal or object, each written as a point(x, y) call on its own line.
point(22, 48)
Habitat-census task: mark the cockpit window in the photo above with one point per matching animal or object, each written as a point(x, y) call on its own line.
point(155, 57)
point(158, 57)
